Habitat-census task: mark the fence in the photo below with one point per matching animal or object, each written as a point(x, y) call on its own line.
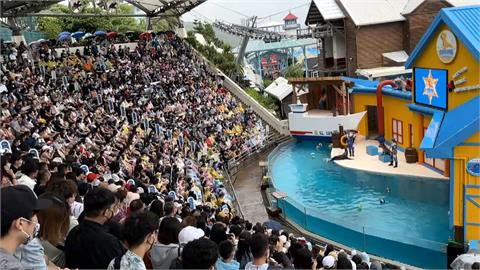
point(6, 35)
point(246, 158)
point(231, 190)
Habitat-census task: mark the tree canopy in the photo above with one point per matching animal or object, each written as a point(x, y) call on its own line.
point(224, 60)
point(294, 71)
point(51, 26)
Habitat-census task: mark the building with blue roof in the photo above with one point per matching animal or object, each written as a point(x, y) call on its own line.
point(446, 95)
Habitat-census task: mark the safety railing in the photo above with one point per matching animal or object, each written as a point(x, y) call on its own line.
point(231, 190)
point(249, 156)
point(394, 246)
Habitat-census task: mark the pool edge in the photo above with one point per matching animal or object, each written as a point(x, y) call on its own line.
point(276, 151)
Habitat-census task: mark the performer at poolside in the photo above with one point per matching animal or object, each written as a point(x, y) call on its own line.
point(393, 154)
point(350, 141)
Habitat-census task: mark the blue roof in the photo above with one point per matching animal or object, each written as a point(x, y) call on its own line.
point(387, 91)
point(464, 23)
point(422, 109)
point(456, 126)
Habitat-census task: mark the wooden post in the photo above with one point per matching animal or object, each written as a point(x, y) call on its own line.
point(335, 107)
point(421, 157)
point(446, 172)
point(343, 97)
point(294, 94)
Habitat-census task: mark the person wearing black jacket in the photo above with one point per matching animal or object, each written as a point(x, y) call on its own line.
point(277, 252)
point(90, 245)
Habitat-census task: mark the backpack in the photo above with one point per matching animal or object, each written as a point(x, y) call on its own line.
point(177, 263)
point(116, 262)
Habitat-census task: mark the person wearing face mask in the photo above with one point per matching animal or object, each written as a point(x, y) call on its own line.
point(140, 232)
point(90, 245)
point(19, 225)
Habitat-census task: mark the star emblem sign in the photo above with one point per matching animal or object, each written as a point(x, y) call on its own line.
point(430, 87)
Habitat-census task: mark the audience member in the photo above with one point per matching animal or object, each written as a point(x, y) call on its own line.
point(140, 232)
point(90, 245)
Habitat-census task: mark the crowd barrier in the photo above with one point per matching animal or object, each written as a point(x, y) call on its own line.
point(246, 158)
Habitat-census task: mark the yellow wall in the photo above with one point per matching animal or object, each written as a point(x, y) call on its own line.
point(462, 154)
point(429, 59)
point(400, 112)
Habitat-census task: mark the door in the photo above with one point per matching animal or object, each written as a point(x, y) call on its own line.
point(436, 163)
point(372, 121)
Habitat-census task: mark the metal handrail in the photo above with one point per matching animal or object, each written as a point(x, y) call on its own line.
point(242, 160)
point(231, 190)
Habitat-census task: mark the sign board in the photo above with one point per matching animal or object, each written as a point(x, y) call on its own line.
point(34, 152)
point(111, 106)
point(431, 87)
point(99, 100)
point(473, 166)
point(53, 74)
point(145, 124)
point(65, 81)
point(43, 72)
point(446, 46)
point(5, 147)
point(123, 112)
point(152, 189)
point(157, 129)
point(134, 118)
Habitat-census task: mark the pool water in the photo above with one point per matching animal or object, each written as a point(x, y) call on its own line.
point(415, 209)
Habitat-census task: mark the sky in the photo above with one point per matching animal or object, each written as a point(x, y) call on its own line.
point(233, 11)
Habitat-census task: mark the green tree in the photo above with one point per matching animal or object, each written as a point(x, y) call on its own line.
point(165, 23)
point(51, 26)
point(294, 71)
point(225, 60)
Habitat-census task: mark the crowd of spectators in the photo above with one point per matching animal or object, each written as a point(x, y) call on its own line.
point(115, 162)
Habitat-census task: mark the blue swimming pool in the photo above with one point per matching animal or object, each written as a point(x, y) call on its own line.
point(344, 205)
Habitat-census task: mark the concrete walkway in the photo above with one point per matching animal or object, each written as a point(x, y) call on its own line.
point(368, 163)
point(249, 196)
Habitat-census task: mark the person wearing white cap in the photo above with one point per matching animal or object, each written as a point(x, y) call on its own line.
point(328, 262)
point(278, 253)
point(190, 233)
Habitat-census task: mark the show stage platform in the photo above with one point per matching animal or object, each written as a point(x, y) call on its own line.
point(363, 161)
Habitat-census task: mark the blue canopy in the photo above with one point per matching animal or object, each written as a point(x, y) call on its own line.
point(100, 33)
point(63, 33)
point(64, 37)
point(448, 130)
point(78, 35)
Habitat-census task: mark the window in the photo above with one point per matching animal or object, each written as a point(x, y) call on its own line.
point(397, 131)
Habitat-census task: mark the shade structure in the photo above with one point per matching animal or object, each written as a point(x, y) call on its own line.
point(63, 34)
point(145, 36)
point(88, 35)
point(112, 35)
point(78, 35)
point(64, 37)
point(100, 33)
